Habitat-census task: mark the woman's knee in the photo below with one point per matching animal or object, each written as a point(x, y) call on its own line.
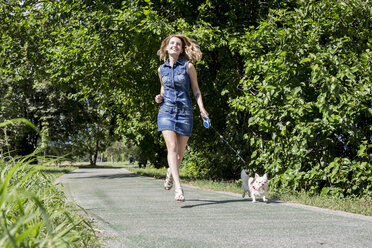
point(172, 147)
point(179, 158)
point(171, 141)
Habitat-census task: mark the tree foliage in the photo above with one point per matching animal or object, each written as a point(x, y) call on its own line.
point(28, 88)
point(307, 90)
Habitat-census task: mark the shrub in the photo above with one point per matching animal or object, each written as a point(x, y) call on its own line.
point(307, 91)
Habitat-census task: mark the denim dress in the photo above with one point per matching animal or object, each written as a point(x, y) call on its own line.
point(175, 112)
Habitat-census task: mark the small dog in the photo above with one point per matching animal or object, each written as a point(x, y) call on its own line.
point(256, 186)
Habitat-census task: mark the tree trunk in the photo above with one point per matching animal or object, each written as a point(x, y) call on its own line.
point(95, 154)
point(92, 159)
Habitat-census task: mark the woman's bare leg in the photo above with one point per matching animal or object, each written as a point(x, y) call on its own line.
point(181, 147)
point(176, 145)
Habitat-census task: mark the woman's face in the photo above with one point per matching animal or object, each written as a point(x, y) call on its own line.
point(174, 46)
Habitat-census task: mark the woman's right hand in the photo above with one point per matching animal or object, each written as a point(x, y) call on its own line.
point(158, 98)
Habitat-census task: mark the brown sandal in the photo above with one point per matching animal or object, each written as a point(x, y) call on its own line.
point(168, 180)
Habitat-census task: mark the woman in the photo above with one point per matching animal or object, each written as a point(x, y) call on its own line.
point(175, 118)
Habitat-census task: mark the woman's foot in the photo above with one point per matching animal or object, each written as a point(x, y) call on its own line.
point(179, 197)
point(168, 180)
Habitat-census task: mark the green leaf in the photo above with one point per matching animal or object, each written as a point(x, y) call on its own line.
point(305, 60)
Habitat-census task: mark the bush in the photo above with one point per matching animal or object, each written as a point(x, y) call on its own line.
point(307, 91)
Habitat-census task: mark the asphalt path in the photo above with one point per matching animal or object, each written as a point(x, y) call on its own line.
point(135, 211)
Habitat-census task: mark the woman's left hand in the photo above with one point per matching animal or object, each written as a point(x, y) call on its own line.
point(204, 113)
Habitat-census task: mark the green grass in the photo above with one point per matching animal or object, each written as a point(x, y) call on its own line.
point(348, 204)
point(34, 212)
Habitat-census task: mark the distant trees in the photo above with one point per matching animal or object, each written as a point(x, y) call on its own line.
point(70, 124)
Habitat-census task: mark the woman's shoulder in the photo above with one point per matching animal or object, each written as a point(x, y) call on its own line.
point(166, 63)
point(161, 67)
point(190, 65)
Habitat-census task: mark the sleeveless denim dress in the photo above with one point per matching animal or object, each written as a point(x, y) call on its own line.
point(175, 112)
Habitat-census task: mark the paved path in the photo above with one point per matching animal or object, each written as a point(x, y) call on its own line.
point(135, 211)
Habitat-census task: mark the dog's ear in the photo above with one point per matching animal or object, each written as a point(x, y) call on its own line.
point(265, 176)
point(256, 175)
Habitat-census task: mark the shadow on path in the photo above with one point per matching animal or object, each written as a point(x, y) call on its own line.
point(109, 176)
point(211, 202)
point(97, 173)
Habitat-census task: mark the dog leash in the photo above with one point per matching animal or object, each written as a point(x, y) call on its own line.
point(207, 124)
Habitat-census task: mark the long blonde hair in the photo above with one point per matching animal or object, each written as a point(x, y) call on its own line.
point(191, 50)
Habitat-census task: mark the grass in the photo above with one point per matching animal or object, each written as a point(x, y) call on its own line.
point(34, 212)
point(348, 204)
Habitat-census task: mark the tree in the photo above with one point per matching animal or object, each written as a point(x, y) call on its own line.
point(95, 134)
point(29, 89)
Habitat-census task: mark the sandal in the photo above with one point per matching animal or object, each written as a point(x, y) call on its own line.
point(179, 197)
point(168, 180)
